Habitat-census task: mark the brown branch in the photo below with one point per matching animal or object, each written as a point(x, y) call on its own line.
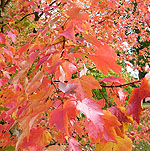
point(121, 85)
point(52, 3)
point(104, 96)
point(6, 2)
point(25, 17)
point(105, 19)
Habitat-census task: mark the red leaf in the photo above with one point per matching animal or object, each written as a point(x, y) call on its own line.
point(91, 109)
point(35, 82)
point(2, 38)
point(36, 139)
point(60, 117)
point(138, 94)
point(3, 81)
point(134, 107)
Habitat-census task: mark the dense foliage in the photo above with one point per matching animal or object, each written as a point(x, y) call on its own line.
point(61, 80)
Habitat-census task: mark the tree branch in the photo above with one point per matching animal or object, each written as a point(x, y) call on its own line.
point(6, 2)
point(121, 85)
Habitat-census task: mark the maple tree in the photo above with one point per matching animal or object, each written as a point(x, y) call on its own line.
point(48, 95)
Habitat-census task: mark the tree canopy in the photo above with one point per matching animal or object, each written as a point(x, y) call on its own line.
point(61, 82)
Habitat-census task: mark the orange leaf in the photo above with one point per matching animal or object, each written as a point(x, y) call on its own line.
point(85, 85)
point(76, 14)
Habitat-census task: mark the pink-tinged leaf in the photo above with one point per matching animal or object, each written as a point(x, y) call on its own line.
point(99, 124)
point(12, 36)
point(91, 109)
point(69, 88)
point(2, 38)
point(36, 46)
point(69, 33)
point(14, 31)
point(74, 145)
point(56, 148)
point(59, 119)
point(12, 69)
point(25, 65)
point(54, 62)
point(42, 60)
point(122, 96)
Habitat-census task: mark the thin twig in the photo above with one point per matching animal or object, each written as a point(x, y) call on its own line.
point(121, 85)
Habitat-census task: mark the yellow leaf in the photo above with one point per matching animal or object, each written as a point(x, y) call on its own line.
point(124, 144)
point(46, 137)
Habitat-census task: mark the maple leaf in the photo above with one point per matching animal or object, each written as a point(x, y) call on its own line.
point(38, 139)
point(60, 117)
point(123, 144)
point(24, 48)
point(85, 85)
point(105, 59)
point(69, 69)
point(134, 107)
point(99, 124)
